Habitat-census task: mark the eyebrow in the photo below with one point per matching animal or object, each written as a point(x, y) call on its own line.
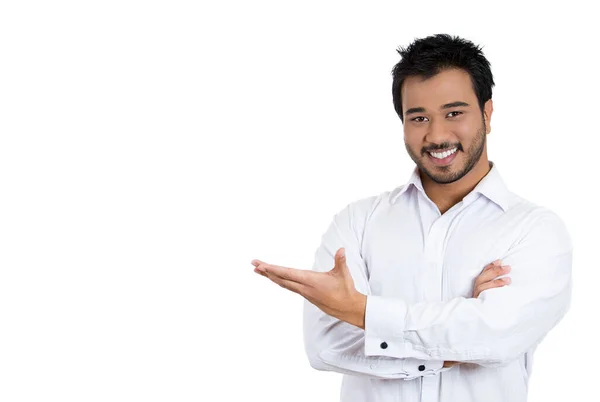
point(446, 106)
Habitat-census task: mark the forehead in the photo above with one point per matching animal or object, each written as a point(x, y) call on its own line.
point(444, 87)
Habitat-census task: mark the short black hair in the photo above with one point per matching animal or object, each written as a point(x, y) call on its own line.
point(429, 56)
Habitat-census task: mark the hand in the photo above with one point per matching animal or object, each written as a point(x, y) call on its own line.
point(486, 280)
point(333, 292)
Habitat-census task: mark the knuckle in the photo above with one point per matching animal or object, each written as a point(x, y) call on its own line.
point(492, 265)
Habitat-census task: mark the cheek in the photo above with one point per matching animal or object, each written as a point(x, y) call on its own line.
point(466, 134)
point(412, 147)
point(414, 138)
point(468, 129)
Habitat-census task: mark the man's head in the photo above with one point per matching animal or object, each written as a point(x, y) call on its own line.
point(442, 90)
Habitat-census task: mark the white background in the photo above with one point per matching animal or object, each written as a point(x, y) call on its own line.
point(149, 150)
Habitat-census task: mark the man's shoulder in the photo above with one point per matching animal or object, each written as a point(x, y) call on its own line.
point(529, 209)
point(356, 213)
point(364, 206)
point(540, 222)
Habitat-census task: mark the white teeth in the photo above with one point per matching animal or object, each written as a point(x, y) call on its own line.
point(442, 155)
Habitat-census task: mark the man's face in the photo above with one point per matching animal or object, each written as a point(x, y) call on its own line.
point(461, 129)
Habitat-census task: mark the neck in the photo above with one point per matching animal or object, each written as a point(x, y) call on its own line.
point(445, 196)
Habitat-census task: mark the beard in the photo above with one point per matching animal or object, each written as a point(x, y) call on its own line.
point(452, 173)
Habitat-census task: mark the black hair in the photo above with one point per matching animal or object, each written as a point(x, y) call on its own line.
point(429, 56)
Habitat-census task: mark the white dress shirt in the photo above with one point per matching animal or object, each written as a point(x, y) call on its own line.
point(417, 268)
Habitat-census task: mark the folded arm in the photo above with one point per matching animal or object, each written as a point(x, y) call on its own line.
point(493, 329)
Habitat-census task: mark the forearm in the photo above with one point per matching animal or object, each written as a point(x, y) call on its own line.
point(355, 314)
point(334, 345)
point(492, 330)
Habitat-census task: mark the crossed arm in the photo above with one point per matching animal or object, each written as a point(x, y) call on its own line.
point(399, 340)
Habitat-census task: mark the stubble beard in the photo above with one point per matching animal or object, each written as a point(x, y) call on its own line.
point(445, 175)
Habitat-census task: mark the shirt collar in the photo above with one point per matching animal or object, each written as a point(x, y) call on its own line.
point(492, 186)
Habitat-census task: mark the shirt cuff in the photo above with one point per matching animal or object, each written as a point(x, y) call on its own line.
point(384, 325)
point(410, 368)
point(385, 321)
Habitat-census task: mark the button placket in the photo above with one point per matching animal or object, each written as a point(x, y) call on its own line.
point(433, 244)
point(434, 256)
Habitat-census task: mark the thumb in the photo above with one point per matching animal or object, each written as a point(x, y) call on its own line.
point(340, 259)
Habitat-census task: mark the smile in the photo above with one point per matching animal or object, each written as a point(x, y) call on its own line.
point(443, 158)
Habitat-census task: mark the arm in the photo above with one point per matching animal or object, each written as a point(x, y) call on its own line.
point(495, 328)
point(335, 345)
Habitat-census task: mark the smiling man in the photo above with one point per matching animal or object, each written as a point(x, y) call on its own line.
point(441, 289)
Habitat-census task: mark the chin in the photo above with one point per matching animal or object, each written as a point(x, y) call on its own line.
point(443, 174)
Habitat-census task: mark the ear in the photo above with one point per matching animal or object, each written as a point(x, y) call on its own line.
point(488, 108)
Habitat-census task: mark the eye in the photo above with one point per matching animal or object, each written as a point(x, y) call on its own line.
point(417, 119)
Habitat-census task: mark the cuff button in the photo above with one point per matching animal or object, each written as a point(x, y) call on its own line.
point(383, 345)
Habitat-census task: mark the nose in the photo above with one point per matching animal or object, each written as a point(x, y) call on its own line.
point(438, 133)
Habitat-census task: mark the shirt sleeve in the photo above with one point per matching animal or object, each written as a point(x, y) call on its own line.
point(335, 345)
point(498, 326)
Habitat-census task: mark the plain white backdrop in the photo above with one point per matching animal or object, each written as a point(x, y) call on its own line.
point(149, 150)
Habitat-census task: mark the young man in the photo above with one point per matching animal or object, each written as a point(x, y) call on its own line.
point(441, 289)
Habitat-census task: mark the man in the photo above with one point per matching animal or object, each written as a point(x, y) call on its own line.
point(441, 289)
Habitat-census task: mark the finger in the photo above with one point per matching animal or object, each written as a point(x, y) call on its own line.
point(284, 272)
point(491, 272)
point(286, 284)
point(339, 261)
point(496, 283)
point(260, 272)
point(340, 258)
point(484, 274)
point(258, 268)
point(289, 274)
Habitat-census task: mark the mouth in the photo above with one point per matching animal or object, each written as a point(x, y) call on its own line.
point(443, 158)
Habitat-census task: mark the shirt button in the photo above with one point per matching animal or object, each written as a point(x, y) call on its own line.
point(383, 345)
point(421, 368)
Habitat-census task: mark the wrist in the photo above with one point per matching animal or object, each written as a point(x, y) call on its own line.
point(358, 310)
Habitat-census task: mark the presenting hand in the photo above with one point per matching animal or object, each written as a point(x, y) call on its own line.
point(333, 292)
